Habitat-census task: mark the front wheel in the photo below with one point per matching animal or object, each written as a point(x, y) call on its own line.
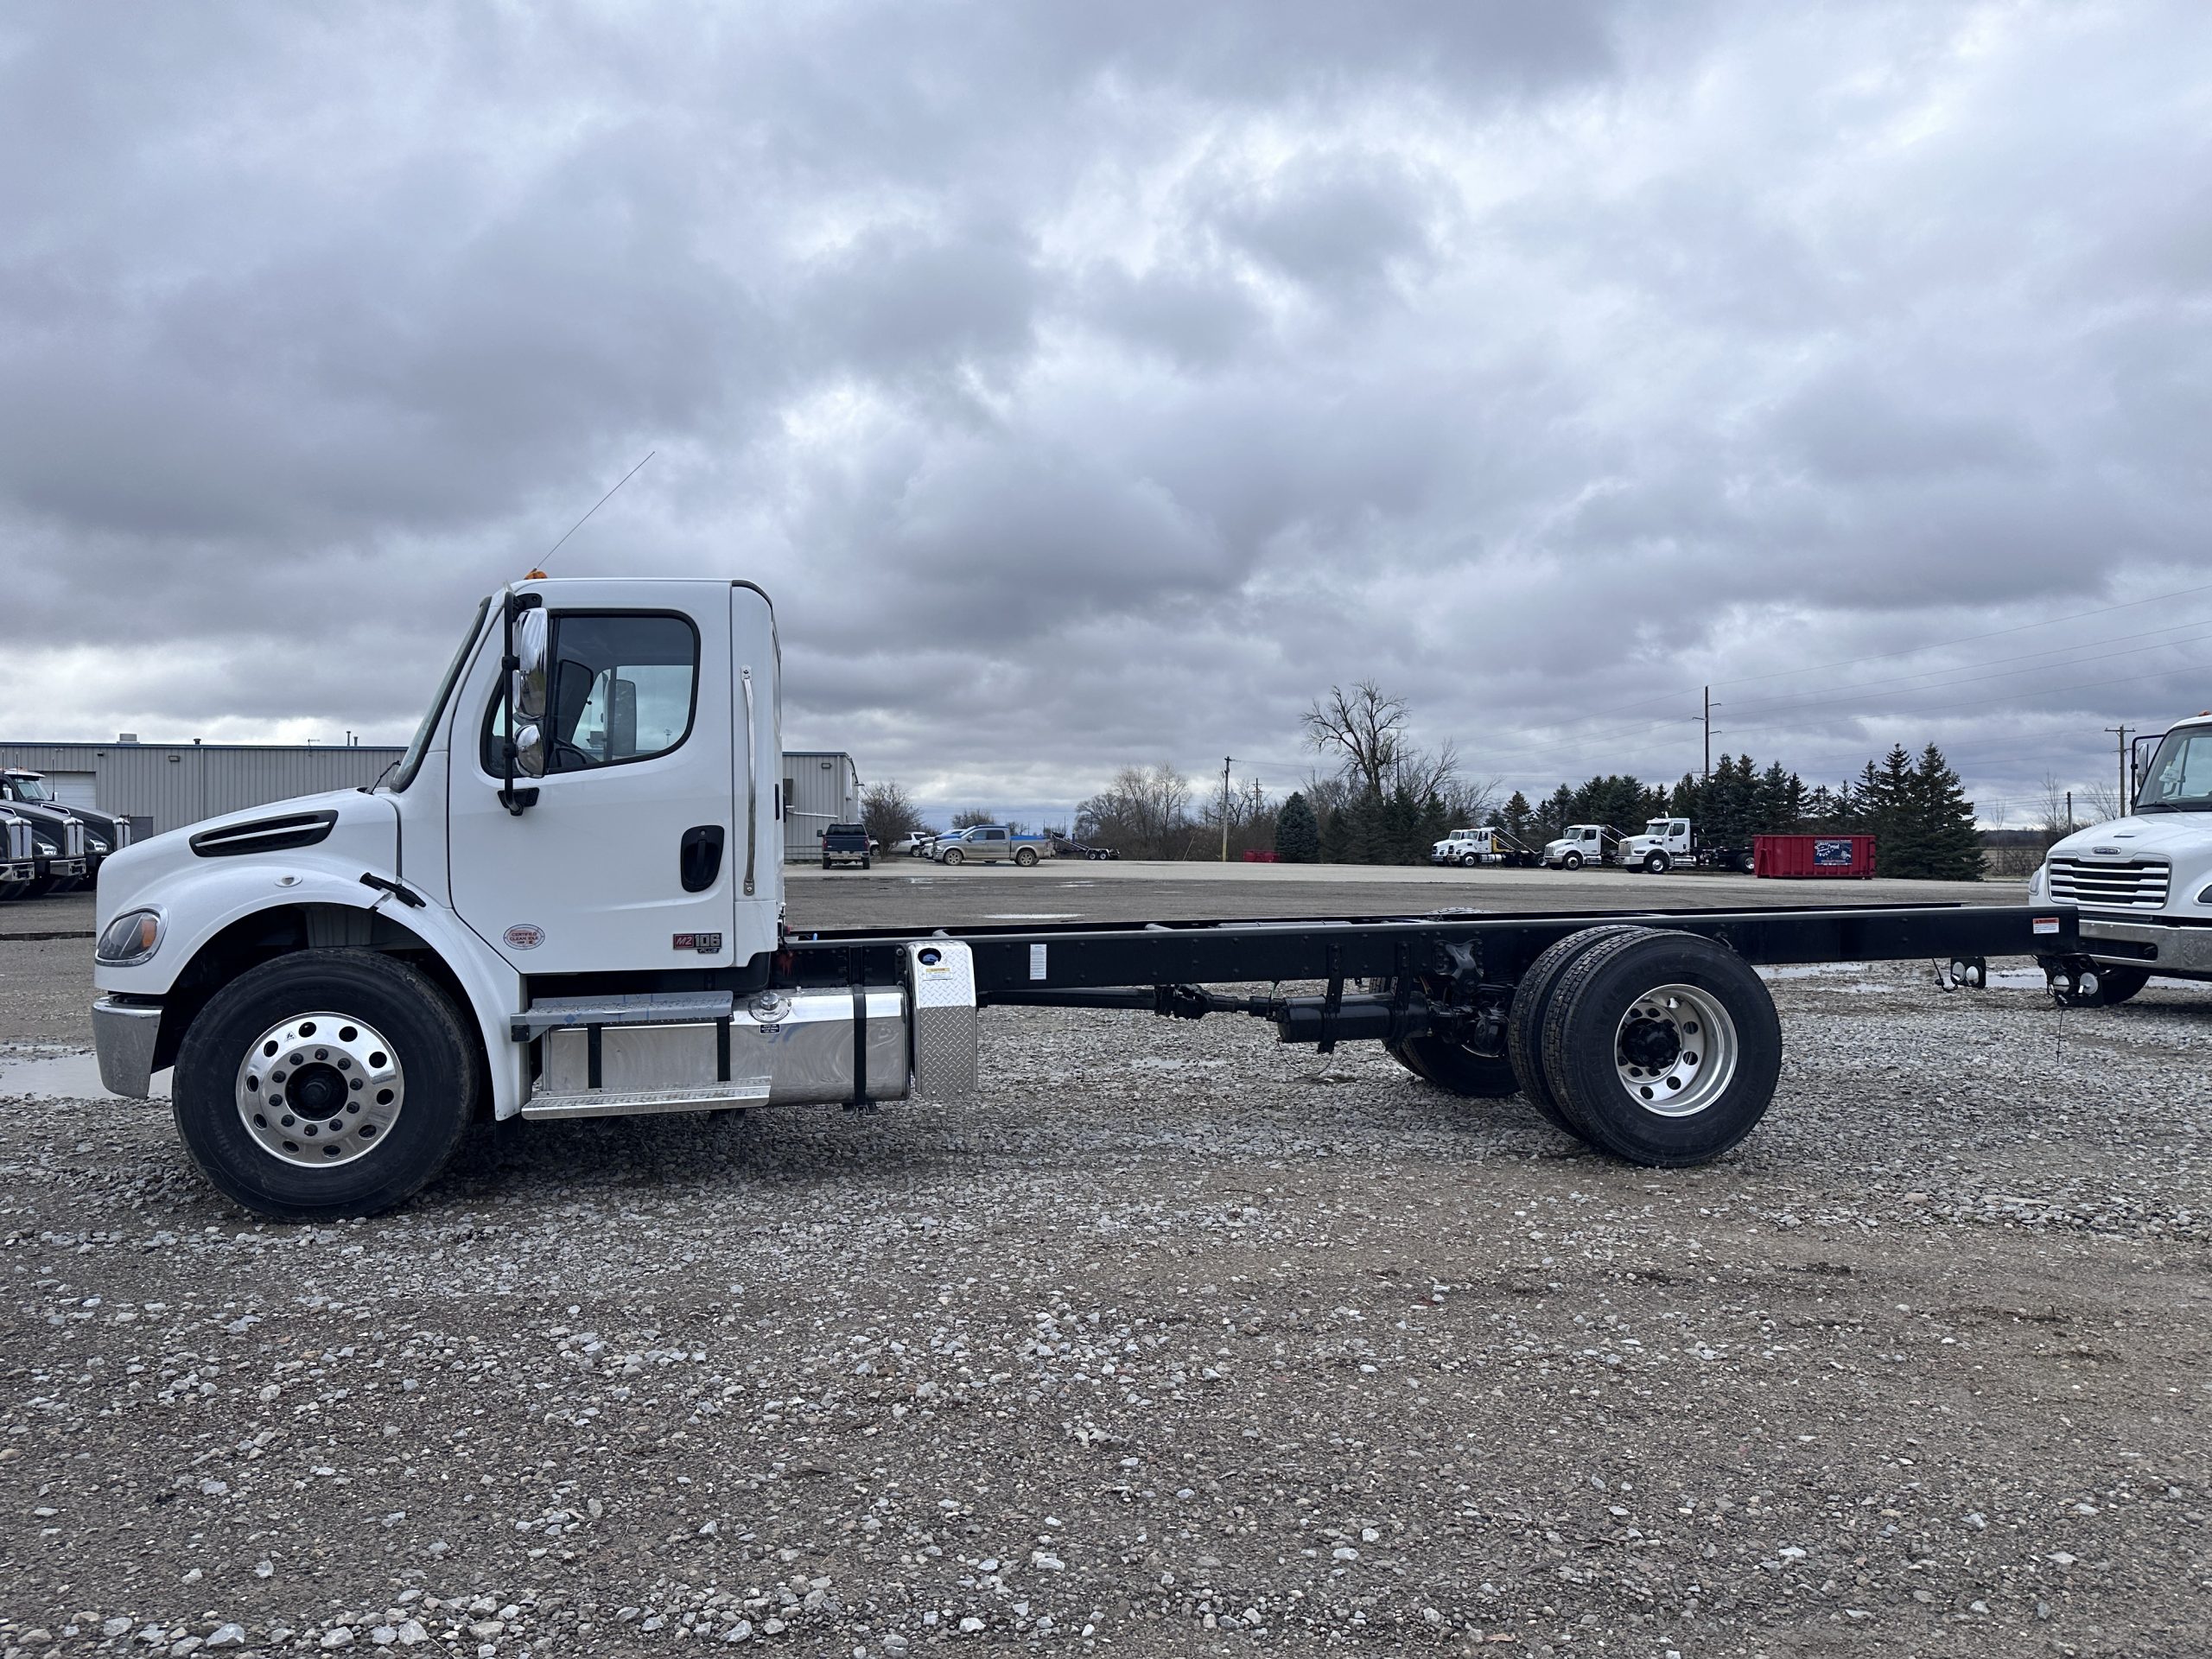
point(951, 856)
point(325, 1083)
point(1571, 862)
point(1657, 863)
point(1466, 860)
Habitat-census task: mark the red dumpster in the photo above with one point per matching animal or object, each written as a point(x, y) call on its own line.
point(1846, 856)
point(1259, 855)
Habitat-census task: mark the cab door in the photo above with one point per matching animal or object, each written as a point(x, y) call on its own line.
point(623, 860)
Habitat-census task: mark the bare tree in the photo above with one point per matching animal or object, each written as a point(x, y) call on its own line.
point(1362, 728)
point(887, 813)
point(2103, 802)
point(969, 817)
point(2055, 808)
point(1144, 813)
point(1250, 815)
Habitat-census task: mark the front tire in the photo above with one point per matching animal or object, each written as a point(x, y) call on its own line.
point(951, 856)
point(1571, 862)
point(325, 1083)
point(1657, 863)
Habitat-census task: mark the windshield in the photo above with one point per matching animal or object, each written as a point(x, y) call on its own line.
point(28, 789)
point(1658, 827)
point(2180, 777)
point(411, 761)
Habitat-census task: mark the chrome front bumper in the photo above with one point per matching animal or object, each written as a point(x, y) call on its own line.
point(122, 1037)
point(2181, 949)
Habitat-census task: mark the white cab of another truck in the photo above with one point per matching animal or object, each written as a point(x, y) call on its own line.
point(2143, 883)
point(1580, 844)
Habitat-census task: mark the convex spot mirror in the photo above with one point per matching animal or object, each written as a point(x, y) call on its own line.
point(526, 685)
point(529, 751)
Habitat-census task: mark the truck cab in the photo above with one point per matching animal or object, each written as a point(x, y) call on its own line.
point(2143, 883)
point(1580, 844)
point(1664, 843)
point(565, 899)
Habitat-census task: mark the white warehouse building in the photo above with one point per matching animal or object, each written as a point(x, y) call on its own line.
point(161, 786)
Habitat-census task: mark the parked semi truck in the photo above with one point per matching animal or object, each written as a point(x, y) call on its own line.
point(24, 790)
point(567, 900)
point(1665, 842)
point(1580, 844)
point(1488, 845)
point(18, 859)
point(61, 841)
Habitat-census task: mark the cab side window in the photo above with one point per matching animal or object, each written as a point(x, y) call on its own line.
point(620, 686)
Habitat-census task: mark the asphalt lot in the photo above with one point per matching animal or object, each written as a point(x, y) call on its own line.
point(1174, 1342)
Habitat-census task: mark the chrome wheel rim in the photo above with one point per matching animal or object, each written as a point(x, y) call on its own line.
point(320, 1090)
point(1675, 1050)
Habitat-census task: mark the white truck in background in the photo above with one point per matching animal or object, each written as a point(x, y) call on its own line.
point(2143, 884)
point(1488, 845)
point(1580, 844)
point(1665, 842)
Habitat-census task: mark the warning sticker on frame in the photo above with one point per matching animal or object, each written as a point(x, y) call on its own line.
point(1036, 961)
point(2045, 924)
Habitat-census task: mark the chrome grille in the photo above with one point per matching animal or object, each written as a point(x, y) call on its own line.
point(2137, 884)
point(73, 838)
point(15, 838)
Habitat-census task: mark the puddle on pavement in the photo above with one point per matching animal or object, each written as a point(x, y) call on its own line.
point(61, 1077)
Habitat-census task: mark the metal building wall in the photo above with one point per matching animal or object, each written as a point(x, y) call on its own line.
point(822, 788)
point(160, 786)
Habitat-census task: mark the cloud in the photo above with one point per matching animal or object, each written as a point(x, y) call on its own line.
point(1097, 385)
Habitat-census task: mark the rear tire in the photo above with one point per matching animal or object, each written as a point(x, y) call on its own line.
point(1524, 1021)
point(1664, 1045)
point(435, 1063)
point(1026, 858)
point(1458, 1070)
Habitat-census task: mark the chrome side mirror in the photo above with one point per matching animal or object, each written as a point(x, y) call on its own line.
point(529, 751)
point(526, 684)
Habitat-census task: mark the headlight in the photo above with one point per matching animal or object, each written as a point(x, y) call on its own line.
point(2039, 882)
point(45, 848)
point(95, 845)
point(130, 939)
point(2205, 897)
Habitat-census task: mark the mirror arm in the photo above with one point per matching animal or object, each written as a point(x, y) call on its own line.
point(515, 800)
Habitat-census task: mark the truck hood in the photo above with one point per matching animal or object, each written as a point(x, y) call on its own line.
point(2171, 836)
point(343, 828)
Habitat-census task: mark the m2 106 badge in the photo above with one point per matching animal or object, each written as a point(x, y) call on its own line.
point(706, 944)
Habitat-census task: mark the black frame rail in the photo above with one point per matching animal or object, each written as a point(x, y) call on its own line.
point(1026, 964)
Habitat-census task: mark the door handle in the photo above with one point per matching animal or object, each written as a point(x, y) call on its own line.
point(699, 856)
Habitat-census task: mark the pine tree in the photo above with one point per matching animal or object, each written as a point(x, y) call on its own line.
point(1297, 838)
point(1948, 843)
point(1886, 802)
point(1515, 819)
point(1365, 832)
point(1557, 812)
point(1336, 835)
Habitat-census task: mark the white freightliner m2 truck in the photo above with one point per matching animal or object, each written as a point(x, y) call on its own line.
point(566, 900)
point(2143, 883)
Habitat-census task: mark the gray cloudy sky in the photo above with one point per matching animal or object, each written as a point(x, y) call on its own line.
point(1094, 384)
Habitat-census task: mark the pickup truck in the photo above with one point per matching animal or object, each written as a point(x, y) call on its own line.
point(845, 843)
point(991, 843)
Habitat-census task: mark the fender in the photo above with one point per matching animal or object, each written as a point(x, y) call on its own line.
point(202, 902)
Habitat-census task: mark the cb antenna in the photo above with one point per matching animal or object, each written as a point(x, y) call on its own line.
point(595, 507)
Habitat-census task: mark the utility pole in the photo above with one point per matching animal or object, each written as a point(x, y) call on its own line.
point(1709, 707)
point(2125, 805)
point(1224, 807)
point(2069, 811)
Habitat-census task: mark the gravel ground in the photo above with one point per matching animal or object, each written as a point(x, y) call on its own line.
point(1176, 1342)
